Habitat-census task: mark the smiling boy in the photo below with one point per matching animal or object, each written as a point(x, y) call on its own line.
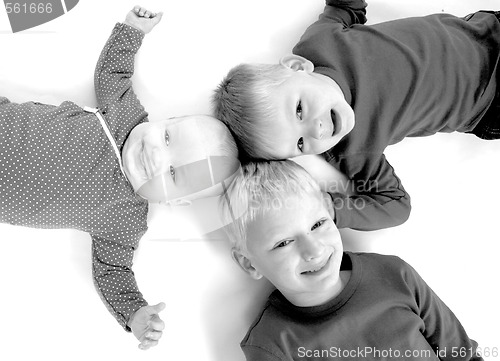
point(408, 77)
point(325, 298)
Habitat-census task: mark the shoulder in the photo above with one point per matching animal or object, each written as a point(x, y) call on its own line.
point(262, 336)
point(383, 264)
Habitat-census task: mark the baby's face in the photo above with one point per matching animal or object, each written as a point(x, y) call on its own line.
point(312, 115)
point(167, 161)
point(298, 248)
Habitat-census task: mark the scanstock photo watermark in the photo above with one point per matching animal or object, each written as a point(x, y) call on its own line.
point(25, 15)
point(370, 353)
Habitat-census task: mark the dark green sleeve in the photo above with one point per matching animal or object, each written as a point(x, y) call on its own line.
point(346, 12)
point(443, 331)
point(254, 353)
point(379, 200)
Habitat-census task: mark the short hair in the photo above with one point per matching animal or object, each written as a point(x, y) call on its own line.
point(242, 102)
point(259, 188)
point(217, 139)
point(218, 142)
point(218, 145)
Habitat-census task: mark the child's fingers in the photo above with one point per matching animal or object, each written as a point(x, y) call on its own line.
point(139, 10)
point(156, 324)
point(144, 345)
point(153, 335)
point(143, 12)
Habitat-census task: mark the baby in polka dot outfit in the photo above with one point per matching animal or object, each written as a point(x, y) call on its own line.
point(95, 170)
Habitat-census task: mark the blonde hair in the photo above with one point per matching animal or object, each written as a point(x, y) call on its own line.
point(241, 101)
point(221, 151)
point(256, 190)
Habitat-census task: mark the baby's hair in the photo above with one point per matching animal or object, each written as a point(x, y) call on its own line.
point(242, 102)
point(218, 140)
point(221, 150)
point(259, 188)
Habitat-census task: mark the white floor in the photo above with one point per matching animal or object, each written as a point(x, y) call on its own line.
point(50, 308)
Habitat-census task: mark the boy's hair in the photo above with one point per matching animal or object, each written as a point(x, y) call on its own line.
point(242, 102)
point(259, 188)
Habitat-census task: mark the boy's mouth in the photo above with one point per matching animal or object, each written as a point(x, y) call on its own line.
point(334, 122)
point(319, 269)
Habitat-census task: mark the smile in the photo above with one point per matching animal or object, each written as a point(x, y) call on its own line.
point(145, 163)
point(334, 121)
point(319, 269)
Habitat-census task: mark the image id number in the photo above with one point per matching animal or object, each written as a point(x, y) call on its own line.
point(31, 8)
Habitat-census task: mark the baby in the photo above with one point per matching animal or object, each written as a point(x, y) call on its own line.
point(96, 169)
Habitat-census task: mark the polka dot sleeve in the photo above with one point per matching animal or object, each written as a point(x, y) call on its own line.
point(112, 253)
point(115, 67)
point(113, 276)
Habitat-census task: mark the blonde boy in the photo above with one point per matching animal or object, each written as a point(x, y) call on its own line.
point(328, 303)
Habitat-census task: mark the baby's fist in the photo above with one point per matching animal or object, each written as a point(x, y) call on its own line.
point(143, 19)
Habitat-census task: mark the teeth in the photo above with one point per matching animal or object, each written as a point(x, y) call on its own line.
point(314, 270)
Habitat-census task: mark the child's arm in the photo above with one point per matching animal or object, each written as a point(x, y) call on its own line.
point(115, 282)
point(328, 177)
point(442, 330)
point(115, 67)
point(377, 200)
point(346, 12)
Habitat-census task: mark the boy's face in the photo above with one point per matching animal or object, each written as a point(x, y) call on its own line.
point(166, 160)
point(298, 248)
point(312, 113)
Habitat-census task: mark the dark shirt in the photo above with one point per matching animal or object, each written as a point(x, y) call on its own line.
point(403, 78)
point(385, 311)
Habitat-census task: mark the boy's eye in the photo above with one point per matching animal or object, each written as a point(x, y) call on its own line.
point(300, 143)
point(318, 224)
point(283, 243)
point(167, 138)
point(298, 110)
point(172, 173)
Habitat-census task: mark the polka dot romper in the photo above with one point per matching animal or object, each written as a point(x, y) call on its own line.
point(58, 170)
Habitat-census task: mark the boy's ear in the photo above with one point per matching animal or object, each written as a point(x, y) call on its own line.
point(296, 63)
point(245, 264)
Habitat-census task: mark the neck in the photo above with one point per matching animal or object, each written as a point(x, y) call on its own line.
point(318, 299)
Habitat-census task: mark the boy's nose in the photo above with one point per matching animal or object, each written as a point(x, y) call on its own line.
point(311, 248)
point(316, 129)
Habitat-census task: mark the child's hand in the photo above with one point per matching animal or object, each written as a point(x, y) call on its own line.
point(142, 19)
point(147, 326)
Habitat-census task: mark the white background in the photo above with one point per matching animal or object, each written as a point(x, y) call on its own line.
point(49, 308)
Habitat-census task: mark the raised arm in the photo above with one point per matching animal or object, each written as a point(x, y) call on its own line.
point(378, 199)
point(115, 67)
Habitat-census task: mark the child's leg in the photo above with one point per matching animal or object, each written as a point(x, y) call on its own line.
point(489, 126)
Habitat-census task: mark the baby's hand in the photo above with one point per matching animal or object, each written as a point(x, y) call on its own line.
point(147, 326)
point(143, 19)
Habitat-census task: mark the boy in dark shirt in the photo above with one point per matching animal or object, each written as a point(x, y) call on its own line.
point(329, 304)
point(350, 90)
